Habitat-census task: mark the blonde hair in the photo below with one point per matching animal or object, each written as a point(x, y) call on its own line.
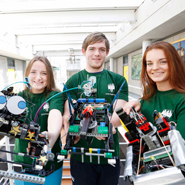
point(50, 78)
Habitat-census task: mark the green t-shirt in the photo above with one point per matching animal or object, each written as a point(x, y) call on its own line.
point(170, 103)
point(107, 84)
point(33, 102)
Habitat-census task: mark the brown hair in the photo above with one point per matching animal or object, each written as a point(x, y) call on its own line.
point(175, 67)
point(50, 78)
point(94, 38)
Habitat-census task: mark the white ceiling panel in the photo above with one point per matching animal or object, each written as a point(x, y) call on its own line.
point(56, 25)
point(58, 5)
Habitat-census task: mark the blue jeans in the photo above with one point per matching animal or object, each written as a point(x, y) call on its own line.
point(55, 178)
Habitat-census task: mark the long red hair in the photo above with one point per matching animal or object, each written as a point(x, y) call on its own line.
point(175, 66)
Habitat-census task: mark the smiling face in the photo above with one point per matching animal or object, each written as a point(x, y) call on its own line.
point(38, 77)
point(157, 69)
point(95, 55)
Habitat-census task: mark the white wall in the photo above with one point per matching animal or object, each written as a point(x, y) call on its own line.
point(150, 16)
point(119, 66)
point(175, 37)
point(60, 76)
point(19, 74)
point(3, 72)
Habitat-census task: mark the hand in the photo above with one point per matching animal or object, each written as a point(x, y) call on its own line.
point(77, 139)
point(28, 148)
point(113, 129)
point(47, 137)
point(43, 134)
point(66, 123)
point(135, 103)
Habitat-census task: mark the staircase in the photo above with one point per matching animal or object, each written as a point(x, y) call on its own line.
point(66, 176)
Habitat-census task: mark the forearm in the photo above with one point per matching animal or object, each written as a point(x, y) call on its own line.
point(54, 125)
point(115, 120)
point(66, 115)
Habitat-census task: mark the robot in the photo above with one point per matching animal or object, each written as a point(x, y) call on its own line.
point(155, 154)
point(90, 119)
point(12, 124)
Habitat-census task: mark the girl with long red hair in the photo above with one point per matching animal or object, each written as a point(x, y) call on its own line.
point(163, 83)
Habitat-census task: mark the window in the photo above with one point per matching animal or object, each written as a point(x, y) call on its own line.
point(125, 60)
point(11, 63)
point(136, 66)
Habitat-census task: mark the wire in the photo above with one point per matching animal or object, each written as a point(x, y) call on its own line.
point(25, 82)
point(79, 87)
point(61, 140)
point(166, 149)
point(141, 168)
point(155, 161)
point(117, 96)
point(70, 102)
point(139, 157)
point(61, 93)
point(37, 113)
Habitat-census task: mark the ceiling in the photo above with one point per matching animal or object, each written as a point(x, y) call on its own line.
point(56, 27)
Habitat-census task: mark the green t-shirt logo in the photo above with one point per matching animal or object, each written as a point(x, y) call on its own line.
point(46, 107)
point(92, 80)
point(167, 113)
point(111, 87)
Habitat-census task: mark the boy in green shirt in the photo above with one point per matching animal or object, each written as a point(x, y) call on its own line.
point(95, 48)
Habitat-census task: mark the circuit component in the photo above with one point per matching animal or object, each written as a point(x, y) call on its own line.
point(12, 124)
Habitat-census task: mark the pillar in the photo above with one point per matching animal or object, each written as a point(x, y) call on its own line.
point(145, 44)
point(111, 64)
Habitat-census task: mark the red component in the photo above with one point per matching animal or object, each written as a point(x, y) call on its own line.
point(134, 141)
point(145, 127)
point(140, 121)
point(143, 123)
point(167, 126)
point(166, 142)
point(166, 123)
point(88, 109)
point(163, 130)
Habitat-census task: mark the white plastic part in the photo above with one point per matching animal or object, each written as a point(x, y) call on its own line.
point(45, 148)
point(60, 157)
point(38, 167)
point(178, 147)
point(16, 105)
point(112, 162)
point(22, 177)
